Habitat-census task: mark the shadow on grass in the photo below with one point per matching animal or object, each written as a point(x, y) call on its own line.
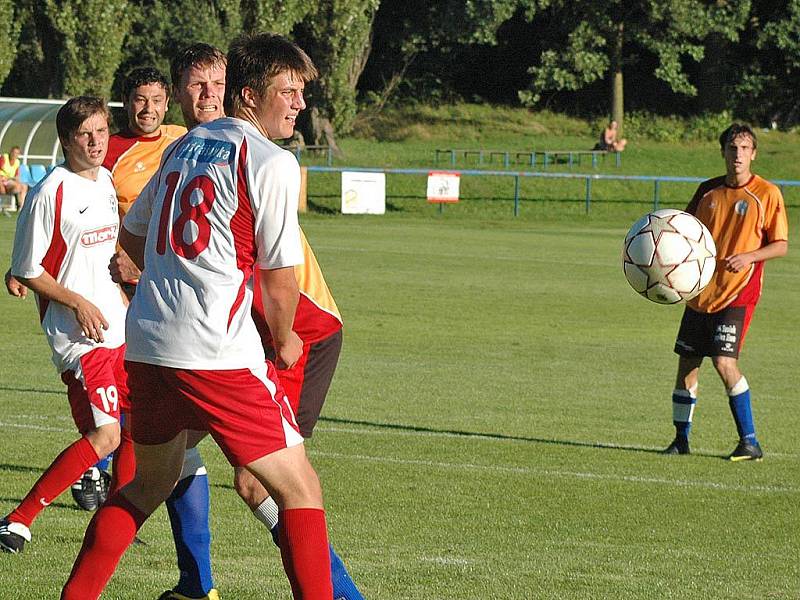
point(6, 388)
point(502, 436)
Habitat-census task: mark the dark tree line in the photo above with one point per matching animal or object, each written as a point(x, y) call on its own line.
point(589, 57)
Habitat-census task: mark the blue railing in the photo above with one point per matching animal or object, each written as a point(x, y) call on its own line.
point(657, 180)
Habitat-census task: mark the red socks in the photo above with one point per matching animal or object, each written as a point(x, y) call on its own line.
point(64, 470)
point(110, 532)
point(305, 554)
point(124, 464)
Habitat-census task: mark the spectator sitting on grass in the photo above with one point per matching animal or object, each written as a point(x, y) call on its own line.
point(608, 139)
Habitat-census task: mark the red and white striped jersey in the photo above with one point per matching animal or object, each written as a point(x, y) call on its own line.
point(68, 227)
point(224, 200)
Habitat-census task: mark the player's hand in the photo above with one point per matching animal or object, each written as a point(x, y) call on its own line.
point(91, 320)
point(122, 268)
point(14, 287)
point(288, 353)
point(738, 262)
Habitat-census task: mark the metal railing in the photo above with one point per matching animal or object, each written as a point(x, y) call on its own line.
point(657, 180)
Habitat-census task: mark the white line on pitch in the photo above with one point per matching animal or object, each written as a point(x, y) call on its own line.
point(570, 474)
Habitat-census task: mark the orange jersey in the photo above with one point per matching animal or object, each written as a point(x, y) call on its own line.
point(134, 159)
point(317, 315)
point(740, 219)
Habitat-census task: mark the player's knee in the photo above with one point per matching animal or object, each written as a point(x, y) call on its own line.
point(303, 490)
point(728, 369)
point(249, 488)
point(104, 439)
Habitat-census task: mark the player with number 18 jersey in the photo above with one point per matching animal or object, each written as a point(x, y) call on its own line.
point(224, 200)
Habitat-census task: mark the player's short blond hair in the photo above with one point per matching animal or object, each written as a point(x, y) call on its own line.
point(76, 110)
point(254, 60)
point(195, 55)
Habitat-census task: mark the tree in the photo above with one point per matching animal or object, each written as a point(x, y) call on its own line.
point(338, 37)
point(88, 45)
point(9, 33)
point(604, 36)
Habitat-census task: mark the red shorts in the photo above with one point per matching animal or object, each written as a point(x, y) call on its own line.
point(244, 410)
point(97, 388)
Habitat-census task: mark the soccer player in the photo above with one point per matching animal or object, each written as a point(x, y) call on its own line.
point(133, 156)
point(65, 237)
point(224, 199)
point(747, 219)
point(199, 73)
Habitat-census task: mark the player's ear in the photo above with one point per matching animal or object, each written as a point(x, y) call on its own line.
point(248, 96)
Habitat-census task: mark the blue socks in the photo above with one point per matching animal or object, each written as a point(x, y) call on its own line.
point(683, 404)
point(188, 508)
point(739, 402)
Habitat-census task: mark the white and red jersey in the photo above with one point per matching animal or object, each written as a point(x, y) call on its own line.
point(224, 199)
point(68, 227)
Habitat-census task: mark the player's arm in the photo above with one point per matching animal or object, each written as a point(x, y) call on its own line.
point(775, 249)
point(89, 317)
point(124, 266)
point(280, 296)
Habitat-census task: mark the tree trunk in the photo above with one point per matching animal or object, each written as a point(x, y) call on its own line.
point(617, 97)
point(317, 129)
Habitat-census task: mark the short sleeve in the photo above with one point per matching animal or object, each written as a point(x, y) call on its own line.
point(138, 216)
point(776, 224)
point(275, 189)
point(34, 234)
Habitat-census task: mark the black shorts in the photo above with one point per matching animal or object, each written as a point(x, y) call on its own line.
point(306, 383)
point(713, 334)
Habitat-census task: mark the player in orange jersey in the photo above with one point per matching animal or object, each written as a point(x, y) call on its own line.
point(747, 219)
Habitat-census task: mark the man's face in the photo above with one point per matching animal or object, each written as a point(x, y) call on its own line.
point(86, 147)
point(200, 92)
point(738, 154)
point(14, 154)
point(146, 107)
point(283, 101)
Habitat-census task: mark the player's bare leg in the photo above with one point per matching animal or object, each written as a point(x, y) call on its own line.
point(684, 399)
point(291, 480)
point(114, 526)
point(738, 391)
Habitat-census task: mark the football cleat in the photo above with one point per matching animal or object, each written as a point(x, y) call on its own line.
point(13, 536)
point(91, 490)
point(679, 445)
point(746, 451)
point(173, 595)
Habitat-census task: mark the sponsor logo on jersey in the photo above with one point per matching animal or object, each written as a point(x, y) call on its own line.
point(100, 235)
point(740, 208)
point(201, 150)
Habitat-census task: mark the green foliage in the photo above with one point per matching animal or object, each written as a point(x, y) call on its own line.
point(9, 32)
point(596, 32)
point(90, 35)
point(278, 16)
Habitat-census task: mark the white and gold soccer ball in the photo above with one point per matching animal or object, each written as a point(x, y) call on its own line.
point(669, 256)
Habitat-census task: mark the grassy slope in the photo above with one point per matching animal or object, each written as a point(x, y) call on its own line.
point(491, 431)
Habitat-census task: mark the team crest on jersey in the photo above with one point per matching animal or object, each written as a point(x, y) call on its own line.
point(201, 150)
point(101, 235)
point(740, 208)
point(112, 200)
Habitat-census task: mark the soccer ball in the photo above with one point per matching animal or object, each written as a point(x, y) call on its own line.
point(669, 256)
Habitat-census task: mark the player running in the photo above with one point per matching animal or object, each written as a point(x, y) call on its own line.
point(224, 200)
point(65, 237)
point(747, 219)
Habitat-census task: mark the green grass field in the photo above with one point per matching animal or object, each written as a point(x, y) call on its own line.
point(493, 428)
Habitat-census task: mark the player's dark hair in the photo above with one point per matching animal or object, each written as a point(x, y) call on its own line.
point(70, 116)
point(196, 55)
point(734, 131)
point(254, 60)
point(143, 76)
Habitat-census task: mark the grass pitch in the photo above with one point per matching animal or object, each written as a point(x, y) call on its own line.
point(492, 431)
